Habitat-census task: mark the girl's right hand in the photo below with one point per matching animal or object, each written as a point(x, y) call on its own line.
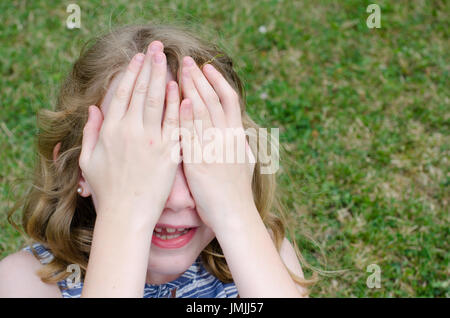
point(129, 159)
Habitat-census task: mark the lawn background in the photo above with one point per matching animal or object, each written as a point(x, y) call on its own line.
point(363, 114)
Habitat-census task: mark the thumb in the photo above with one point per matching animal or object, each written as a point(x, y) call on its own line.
point(90, 133)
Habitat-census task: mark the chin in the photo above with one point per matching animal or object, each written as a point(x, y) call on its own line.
point(166, 264)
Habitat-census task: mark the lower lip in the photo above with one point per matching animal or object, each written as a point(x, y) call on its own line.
point(176, 242)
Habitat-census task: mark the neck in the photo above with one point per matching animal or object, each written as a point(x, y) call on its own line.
point(159, 278)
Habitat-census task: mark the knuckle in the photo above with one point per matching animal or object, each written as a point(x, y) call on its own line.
point(203, 113)
point(171, 121)
point(121, 93)
point(153, 100)
point(213, 99)
point(141, 87)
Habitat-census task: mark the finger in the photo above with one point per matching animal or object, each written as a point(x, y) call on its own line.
point(227, 95)
point(122, 95)
point(154, 102)
point(207, 94)
point(136, 108)
point(187, 130)
point(201, 114)
point(91, 132)
point(171, 116)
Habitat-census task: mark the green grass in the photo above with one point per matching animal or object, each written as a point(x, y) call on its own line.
point(363, 113)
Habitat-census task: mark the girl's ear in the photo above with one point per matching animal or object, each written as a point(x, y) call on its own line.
point(56, 151)
point(86, 189)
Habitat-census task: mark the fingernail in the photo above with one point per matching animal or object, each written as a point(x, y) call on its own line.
point(158, 57)
point(155, 46)
point(139, 57)
point(208, 67)
point(188, 61)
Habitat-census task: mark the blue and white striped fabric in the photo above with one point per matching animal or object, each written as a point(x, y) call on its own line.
point(196, 282)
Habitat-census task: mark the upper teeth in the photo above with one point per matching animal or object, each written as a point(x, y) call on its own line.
point(158, 233)
point(169, 229)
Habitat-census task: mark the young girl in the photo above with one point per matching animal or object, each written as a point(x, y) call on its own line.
point(109, 197)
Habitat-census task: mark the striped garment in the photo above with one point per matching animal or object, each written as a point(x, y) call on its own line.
point(196, 282)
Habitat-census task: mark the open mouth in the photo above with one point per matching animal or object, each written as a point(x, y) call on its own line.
point(172, 237)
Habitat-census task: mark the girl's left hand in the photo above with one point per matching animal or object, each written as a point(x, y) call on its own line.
point(221, 190)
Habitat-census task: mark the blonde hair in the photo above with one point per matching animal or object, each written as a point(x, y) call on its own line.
point(53, 213)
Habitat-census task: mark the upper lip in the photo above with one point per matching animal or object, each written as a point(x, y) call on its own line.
point(174, 226)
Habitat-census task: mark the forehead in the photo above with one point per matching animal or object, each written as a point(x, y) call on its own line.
point(104, 106)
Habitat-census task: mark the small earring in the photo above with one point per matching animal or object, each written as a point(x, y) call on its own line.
point(79, 190)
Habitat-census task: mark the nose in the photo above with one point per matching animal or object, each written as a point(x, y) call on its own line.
point(180, 197)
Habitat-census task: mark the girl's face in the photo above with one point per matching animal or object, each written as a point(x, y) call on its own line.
point(170, 257)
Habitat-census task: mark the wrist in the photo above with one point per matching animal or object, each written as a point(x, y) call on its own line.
point(246, 240)
point(119, 255)
point(237, 218)
point(133, 217)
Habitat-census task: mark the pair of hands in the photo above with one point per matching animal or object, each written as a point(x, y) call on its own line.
point(127, 157)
